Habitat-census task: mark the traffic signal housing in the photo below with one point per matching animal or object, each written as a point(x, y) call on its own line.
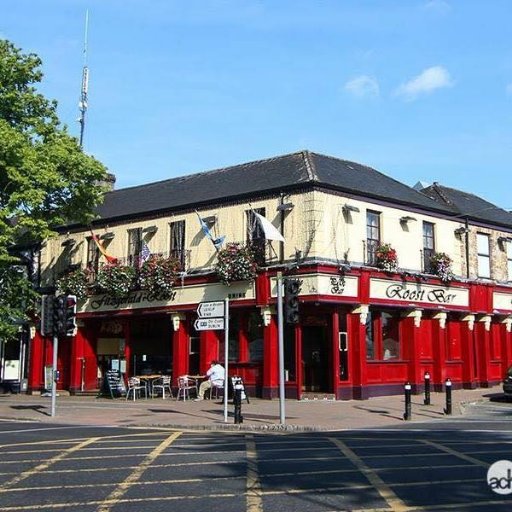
point(291, 300)
point(47, 315)
point(70, 316)
point(59, 304)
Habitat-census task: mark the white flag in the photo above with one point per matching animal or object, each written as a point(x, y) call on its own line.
point(270, 231)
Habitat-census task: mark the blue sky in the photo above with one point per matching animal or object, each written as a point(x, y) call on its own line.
point(418, 89)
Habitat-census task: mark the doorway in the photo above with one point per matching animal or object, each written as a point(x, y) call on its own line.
point(315, 359)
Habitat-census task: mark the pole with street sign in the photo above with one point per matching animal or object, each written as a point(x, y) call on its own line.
point(280, 346)
point(214, 315)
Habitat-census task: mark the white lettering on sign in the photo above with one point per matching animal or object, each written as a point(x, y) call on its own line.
point(210, 309)
point(206, 324)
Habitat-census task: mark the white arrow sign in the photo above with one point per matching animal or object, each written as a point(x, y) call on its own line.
point(211, 309)
point(206, 324)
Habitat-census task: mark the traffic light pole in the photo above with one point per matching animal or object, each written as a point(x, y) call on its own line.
point(54, 382)
point(280, 346)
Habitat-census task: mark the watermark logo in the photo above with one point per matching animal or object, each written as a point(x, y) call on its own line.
point(499, 477)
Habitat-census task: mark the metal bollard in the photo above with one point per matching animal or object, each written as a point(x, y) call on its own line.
point(426, 401)
point(237, 401)
point(407, 391)
point(448, 408)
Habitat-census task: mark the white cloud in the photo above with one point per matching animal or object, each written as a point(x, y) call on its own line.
point(363, 86)
point(426, 82)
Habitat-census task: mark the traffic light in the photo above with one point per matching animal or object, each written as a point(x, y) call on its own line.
point(291, 300)
point(58, 314)
point(47, 315)
point(70, 315)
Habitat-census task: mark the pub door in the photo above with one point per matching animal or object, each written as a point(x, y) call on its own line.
point(315, 359)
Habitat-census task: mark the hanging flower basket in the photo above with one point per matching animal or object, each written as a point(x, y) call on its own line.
point(116, 280)
point(76, 282)
point(158, 275)
point(236, 263)
point(386, 258)
point(441, 265)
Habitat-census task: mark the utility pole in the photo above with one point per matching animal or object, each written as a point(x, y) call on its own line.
point(82, 105)
point(279, 281)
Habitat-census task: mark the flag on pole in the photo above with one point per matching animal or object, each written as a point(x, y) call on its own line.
point(269, 230)
point(217, 242)
point(145, 253)
point(96, 238)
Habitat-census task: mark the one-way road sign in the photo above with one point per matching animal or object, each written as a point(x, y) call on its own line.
point(205, 324)
point(212, 309)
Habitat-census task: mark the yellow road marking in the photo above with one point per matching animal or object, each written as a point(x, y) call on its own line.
point(253, 485)
point(460, 455)
point(143, 483)
point(45, 465)
point(382, 488)
point(47, 506)
point(117, 494)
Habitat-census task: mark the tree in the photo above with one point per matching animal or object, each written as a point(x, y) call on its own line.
point(46, 180)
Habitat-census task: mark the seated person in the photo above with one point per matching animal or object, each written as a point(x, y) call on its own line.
point(215, 377)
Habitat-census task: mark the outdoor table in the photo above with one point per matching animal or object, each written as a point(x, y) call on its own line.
point(149, 380)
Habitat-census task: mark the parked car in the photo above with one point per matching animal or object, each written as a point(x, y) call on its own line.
point(507, 382)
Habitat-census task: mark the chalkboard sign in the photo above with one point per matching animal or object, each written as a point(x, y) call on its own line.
point(114, 383)
point(238, 383)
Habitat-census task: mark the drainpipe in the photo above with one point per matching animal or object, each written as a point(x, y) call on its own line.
point(466, 226)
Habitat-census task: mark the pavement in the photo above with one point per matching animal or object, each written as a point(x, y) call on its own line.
point(306, 415)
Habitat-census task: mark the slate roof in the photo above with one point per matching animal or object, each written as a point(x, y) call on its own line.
point(281, 173)
point(465, 204)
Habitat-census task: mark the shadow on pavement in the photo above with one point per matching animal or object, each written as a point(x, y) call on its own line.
point(36, 408)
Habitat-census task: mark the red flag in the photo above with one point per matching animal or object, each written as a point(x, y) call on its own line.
point(97, 240)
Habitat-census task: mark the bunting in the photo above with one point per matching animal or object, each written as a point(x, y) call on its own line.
point(96, 238)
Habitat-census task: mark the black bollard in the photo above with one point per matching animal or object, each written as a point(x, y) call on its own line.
point(426, 401)
point(448, 408)
point(237, 401)
point(407, 391)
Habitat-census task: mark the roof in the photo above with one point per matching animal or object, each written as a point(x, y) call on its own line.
point(280, 173)
point(464, 204)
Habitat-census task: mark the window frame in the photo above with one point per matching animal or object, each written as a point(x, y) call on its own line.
point(255, 236)
point(134, 247)
point(177, 238)
point(429, 245)
point(483, 258)
point(371, 229)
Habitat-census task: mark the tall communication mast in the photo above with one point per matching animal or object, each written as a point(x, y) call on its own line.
point(82, 105)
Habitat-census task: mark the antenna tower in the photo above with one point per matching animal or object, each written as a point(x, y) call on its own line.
point(82, 105)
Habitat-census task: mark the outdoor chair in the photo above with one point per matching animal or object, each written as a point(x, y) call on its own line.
point(185, 386)
point(162, 384)
point(216, 391)
point(135, 387)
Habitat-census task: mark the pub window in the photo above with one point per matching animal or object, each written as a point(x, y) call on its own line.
point(134, 246)
point(255, 236)
point(390, 324)
point(234, 337)
point(370, 338)
point(289, 353)
point(509, 260)
point(483, 255)
point(372, 236)
point(177, 243)
point(428, 246)
point(382, 335)
point(255, 337)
